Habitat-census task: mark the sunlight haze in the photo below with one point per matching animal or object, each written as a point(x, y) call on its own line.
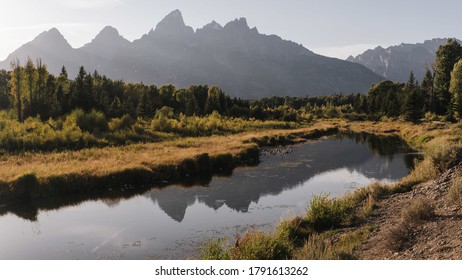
point(332, 28)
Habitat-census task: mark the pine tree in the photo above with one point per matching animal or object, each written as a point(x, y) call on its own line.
point(427, 91)
point(115, 109)
point(144, 108)
point(63, 91)
point(78, 90)
point(52, 104)
point(412, 107)
point(89, 101)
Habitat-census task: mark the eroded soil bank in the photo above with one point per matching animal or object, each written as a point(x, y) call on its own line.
point(439, 237)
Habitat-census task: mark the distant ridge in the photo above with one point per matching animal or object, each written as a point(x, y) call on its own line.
point(396, 62)
point(235, 57)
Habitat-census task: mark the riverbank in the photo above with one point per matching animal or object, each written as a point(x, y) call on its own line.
point(333, 228)
point(41, 175)
point(356, 225)
point(435, 236)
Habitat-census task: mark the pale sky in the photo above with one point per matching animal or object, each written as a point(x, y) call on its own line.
point(335, 28)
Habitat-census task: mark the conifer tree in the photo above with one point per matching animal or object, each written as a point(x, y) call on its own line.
point(427, 91)
point(144, 108)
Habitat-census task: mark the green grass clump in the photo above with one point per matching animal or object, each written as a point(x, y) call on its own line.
point(325, 247)
point(445, 156)
point(215, 249)
point(258, 245)
point(253, 245)
point(327, 213)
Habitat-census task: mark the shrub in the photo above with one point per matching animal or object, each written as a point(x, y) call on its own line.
point(125, 122)
point(164, 120)
point(445, 156)
point(429, 116)
point(420, 210)
point(92, 121)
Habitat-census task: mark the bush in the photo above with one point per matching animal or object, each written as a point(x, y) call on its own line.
point(429, 116)
point(164, 120)
point(93, 121)
point(420, 210)
point(123, 123)
point(445, 156)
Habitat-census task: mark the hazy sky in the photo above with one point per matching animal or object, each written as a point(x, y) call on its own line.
point(329, 27)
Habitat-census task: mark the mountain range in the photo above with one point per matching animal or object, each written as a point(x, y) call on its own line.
point(235, 57)
point(396, 62)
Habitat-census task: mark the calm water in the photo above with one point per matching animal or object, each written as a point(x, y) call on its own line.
point(173, 221)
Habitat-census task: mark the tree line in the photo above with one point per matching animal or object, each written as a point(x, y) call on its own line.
point(30, 90)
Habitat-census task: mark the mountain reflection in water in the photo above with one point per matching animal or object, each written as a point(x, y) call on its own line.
point(162, 221)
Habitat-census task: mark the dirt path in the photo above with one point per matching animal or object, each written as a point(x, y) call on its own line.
point(438, 238)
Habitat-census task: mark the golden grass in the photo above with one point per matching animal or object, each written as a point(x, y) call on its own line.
point(455, 191)
point(109, 160)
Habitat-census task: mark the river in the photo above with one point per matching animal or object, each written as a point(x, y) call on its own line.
point(172, 222)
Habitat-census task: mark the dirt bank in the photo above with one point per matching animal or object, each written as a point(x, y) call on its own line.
point(439, 237)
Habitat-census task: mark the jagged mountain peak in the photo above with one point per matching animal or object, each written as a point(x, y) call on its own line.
point(108, 31)
point(396, 62)
point(213, 26)
point(172, 26)
point(51, 37)
point(172, 21)
point(240, 24)
point(107, 36)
